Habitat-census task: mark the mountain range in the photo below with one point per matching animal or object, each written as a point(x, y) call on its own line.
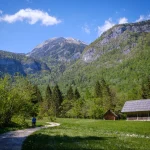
point(121, 56)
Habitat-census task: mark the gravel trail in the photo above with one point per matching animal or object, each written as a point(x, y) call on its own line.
point(13, 140)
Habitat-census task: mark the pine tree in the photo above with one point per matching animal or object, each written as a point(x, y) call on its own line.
point(36, 95)
point(70, 94)
point(144, 92)
point(48, 96)
point(50, 103)
point(146, 89)
point(76, 94)
point(57, 97)
point(98, 90)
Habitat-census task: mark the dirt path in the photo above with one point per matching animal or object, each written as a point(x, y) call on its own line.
point(13, 140)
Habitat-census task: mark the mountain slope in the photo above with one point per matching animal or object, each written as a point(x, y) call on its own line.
point(60, 49)
point(12, 63)
point(121, 56)
point(58, 54)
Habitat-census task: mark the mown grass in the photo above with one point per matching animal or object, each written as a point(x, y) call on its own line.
point(87, 134)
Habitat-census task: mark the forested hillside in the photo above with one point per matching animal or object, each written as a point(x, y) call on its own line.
point(58, 53)
point(121, 56)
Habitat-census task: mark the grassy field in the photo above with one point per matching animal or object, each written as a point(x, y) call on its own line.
point(86, 134)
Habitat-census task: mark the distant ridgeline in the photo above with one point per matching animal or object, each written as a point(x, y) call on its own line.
point(12, 63)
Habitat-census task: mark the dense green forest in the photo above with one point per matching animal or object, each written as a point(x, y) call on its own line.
point(20, 100)
point(125, 73)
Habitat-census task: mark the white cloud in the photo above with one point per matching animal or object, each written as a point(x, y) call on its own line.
point(123, 20)
point(1, 11)
point(31, 16)
point(142, 18)
point(107, 25)
point(86, 29)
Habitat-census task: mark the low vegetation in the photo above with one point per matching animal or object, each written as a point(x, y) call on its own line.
point(87, 134)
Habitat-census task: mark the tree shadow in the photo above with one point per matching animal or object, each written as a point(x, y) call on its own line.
point(64, 142)
point(10, 142)
point(12, 126)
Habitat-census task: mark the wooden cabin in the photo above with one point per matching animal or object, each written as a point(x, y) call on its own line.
point(137, 109)
point(110, 115)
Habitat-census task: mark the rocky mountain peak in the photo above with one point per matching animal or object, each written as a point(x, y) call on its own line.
point(117, 30)
point(62, 49)
point(113, 39)
point(60, 40)
point(75, 41)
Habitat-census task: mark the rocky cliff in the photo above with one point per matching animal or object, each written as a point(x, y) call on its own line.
point(115, 38)
point(12, 63)
point(61, 49)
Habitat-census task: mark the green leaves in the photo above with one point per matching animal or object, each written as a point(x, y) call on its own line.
point(16, 95)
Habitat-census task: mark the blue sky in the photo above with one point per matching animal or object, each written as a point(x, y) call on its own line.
point(26, 23)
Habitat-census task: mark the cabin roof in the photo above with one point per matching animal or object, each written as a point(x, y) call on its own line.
point(136, 105)
point(110, 111)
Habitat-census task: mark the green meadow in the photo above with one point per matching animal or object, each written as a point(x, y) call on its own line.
point(86, 134)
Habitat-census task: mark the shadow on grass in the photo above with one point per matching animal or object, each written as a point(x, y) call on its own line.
point(11, 142)
point(11, 127)
point(57, 142)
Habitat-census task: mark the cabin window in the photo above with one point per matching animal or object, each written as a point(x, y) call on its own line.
point(132, 115)
point(143, 114)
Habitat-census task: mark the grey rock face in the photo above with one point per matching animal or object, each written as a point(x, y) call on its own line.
point(116, 38)
point(61, 49)
point(90, 55)
point(12, 63)
point(7, 62)
point(32, 66)
point(119, 29)
point(11, 66)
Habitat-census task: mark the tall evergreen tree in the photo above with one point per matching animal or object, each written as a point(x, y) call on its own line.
point(36, 95)
point(36, 99)
point(76, 94)
point(109, 96)
point(70, 94)
point(48, 96)
point(57, 97)
point(98, 90)
point(146, 89)
point(49, 103)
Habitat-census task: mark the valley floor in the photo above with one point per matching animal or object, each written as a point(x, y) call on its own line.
point(85, 134)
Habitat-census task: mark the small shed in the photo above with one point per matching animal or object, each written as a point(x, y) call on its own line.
point(110, 115)
point(137, 109)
